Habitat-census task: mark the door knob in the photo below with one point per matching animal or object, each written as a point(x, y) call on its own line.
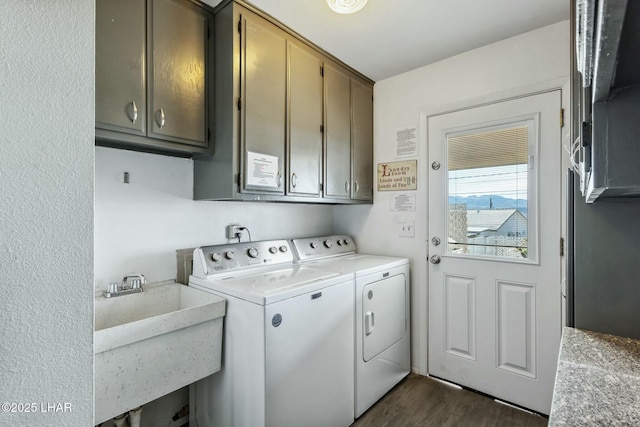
point(435, 259)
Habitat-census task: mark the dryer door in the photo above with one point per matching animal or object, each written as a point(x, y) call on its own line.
point(384, 317)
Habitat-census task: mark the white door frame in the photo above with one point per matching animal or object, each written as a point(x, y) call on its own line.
point(563, 84)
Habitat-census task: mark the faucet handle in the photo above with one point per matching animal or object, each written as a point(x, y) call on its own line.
point(137, 280)
point(113, 288)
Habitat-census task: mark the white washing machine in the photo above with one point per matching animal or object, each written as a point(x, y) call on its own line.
point(288, 340)
point(382, 323)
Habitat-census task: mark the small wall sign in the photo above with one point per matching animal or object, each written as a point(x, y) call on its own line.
point(397, 176)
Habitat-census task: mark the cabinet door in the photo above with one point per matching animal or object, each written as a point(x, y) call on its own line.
point(263, 64)
point(177, 84)
point(120, 65)
point(337, 175)
point(362, 140)
point(304, 121)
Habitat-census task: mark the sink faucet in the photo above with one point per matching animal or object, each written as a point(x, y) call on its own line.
point(131, 284)
point(137, 280)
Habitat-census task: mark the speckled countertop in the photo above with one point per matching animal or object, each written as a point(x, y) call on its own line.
point(597, 382)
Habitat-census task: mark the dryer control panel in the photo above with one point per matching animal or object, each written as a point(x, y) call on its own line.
point(323, 246)
point(216, 259)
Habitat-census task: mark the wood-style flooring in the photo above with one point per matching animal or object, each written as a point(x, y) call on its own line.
point(423, 401)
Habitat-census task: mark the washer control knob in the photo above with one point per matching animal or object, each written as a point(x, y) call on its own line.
point(273, 249)
point(339, 242)
point(216, 256)
point(252, 252)
point(328, 243)
point(313, 245)
point(230, 255)
point(283, 248)
point(347, 241)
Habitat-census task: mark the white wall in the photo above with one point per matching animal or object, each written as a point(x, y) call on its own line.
point(46, 214)
point(139, 226)
point(524, 64)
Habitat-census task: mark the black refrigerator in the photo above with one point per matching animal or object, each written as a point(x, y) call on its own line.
point(603, 263)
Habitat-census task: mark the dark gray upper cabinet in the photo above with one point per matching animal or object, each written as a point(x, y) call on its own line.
point(337, 175)
point(151, 75)
point(349, 135)
point(304, 142)
point(177, 85)
point(362, 136)
point(120, 66)
point(263, 67)
point(274, 111)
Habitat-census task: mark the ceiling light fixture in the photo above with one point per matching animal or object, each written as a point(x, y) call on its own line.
point(346, 6)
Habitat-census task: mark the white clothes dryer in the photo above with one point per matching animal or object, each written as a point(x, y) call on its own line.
point(382, 322)
point(288, 340)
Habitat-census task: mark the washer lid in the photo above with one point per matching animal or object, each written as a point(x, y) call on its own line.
point(273, 285)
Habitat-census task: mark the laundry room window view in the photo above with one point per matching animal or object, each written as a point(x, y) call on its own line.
point(488, 196)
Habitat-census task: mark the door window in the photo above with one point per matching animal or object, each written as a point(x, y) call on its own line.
point(490, 191)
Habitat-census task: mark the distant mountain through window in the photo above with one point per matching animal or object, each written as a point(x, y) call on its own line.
point(489, 201)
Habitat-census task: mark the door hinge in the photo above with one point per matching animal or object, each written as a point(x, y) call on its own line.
point(562, 246)
point(208, 134)
point(239, 103)
point(240, 24)
point(562, 117)
point(321, 129)
point(322, 71)
point(321, 187)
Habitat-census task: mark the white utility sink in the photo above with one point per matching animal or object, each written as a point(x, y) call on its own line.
point(151, 343)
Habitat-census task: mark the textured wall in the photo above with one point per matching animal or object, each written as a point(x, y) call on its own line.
point(46, 213)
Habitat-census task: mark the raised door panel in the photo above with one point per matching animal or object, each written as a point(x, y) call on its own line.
point(120, 65)
point(516, 328)
point(362, 140)
point(263, 63)
point(177, 83)
point(459, 316)
point(337, 92)
point(305, 121)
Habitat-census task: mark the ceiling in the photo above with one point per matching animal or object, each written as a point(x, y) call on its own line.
point(390, 37)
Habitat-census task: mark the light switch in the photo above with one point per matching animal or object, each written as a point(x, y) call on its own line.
point(407, 229)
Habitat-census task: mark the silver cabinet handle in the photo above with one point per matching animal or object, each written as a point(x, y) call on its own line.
point(133, 112)
point(435, 259)
point(278, 180)
point(357, 186)
point(346, 186)
point(160, 119)
point(294, 180)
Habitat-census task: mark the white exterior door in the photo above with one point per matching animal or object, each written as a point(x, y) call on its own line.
point(494, 233)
